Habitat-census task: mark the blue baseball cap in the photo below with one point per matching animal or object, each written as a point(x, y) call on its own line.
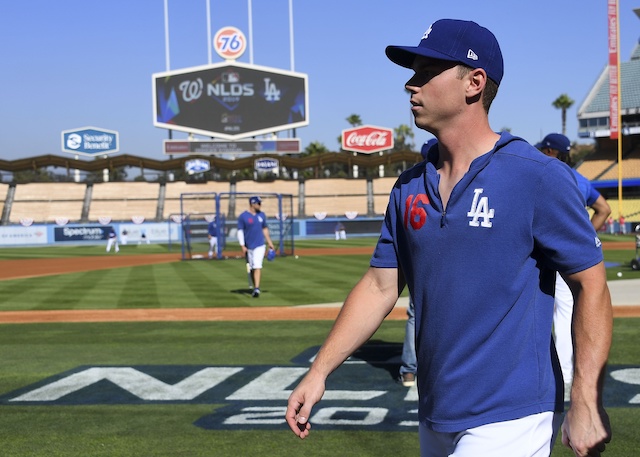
point(254, 199)
point(271, 255)
point(425, 147)
point(555, 141)
point(457, 41)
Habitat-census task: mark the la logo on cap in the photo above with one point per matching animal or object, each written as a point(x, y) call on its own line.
point(426, 34)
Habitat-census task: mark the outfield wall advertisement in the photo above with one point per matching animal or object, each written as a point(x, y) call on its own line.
point(154, 232)
point(21, 236)
point(169, 232)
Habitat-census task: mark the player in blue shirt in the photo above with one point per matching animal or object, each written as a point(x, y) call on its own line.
point(212, 233)
point(252, 233)
point(558, 145)
point(477, 232)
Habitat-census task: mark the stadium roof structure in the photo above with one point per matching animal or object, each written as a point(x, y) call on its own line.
point(593, 114)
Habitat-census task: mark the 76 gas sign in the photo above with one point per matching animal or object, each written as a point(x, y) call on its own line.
point(230, 43)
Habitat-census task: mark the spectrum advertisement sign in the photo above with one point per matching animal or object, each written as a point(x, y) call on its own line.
point(230, 101)
point(81, 233)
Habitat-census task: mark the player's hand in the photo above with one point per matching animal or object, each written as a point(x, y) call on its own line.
point(302, 399)
point(586, 430)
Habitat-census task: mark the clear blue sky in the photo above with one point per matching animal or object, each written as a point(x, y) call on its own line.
point(75, 63)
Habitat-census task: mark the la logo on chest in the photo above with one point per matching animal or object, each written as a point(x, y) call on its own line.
point(480, 213)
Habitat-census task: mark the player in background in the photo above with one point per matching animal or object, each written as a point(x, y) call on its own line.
point(408, 364)
point(112, 241)
point(252, 234)
point(212, 233)
point(476, 232)
point(340, 231)
point(558, 146)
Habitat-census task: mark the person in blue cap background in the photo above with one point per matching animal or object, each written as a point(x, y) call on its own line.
point(476, 232)
point(212, 234)
point(559, 146)
point(252, 234)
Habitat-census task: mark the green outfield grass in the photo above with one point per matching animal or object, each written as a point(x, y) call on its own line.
point(203, 284)
point(32, 353)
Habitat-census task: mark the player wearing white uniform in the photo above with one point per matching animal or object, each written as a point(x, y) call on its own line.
point(112, 241)
point(212, 233)
point(252, 233)
point(558, 146)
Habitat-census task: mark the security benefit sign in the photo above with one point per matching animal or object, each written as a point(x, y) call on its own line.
point(230, 101)
point(90, 141)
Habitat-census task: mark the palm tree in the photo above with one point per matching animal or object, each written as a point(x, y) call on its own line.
point(563, 102)
point(354, 120)
point(313, 149)
point(402, 136)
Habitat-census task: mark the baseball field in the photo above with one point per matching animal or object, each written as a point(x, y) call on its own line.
point(142, 354)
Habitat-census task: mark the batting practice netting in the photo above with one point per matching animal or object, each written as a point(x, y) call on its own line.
point(199, 209)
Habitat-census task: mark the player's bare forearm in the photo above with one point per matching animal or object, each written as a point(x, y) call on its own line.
point(601, 211)
point(373, 297)
point(267, 237)
point(586, 427)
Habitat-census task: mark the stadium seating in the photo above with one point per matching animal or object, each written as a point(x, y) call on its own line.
point(591, 169)
point(381, 189)
point(204, 205)
point(46, 202)
point(335, 197)
point(123, 201)
point(629, 207)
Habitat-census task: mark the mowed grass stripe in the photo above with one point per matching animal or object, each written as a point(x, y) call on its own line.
point(189, 284)
point(74, 291)
point(139, 289)
point(311, 280)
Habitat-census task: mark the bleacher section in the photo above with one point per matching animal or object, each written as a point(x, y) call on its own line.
point(630, 169)
point(262, 188)
point(45, 202)
point(3, 193)
point(381, 189)
point(122, 201)
point(174, 189)
point(335, 197)
point(630, 208)
point(591, 169)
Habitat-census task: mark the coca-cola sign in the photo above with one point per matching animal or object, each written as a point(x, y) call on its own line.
point(367, 139)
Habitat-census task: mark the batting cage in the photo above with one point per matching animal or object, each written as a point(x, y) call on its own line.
point(205, 212)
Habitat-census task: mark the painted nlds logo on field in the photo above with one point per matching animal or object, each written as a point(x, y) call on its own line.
point(367, 139)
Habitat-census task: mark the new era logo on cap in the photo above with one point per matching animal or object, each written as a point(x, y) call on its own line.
point(457, 41)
